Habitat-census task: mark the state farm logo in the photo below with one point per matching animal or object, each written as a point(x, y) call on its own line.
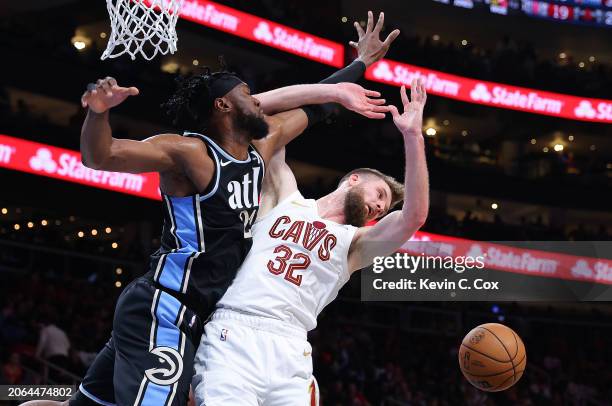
point(383, 71)
point(582, 270)
point(514, 259)
point(293, 41)
point(6, 153)
point(515, 98)
point(262, 32)
point(43, 161)
point(603, 271)
point(404, 74)
point(69, 165)
point(208, 14)
point(480, 93)
point(585, 110)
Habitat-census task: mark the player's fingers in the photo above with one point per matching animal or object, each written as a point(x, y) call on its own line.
point(111, 80)
point(353, 44)
point(133, 91)
point(419, 87)
point(404, 96)
point(84, 98)
point(420, 90)
point(371, 93)
point(106, 87)
point(377, 116)
point(390, 38)
point(379, 24)
point(370, 22)
point(377, 102)
point(393, 111)
point(360, 31)
point(379, 109)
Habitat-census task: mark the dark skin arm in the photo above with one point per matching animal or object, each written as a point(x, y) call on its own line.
point(182, 162)
point(284, 127)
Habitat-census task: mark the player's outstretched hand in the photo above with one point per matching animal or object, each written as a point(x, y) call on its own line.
point(410, 122)
point(362, 101)
point(369, 46)
point(105, 94)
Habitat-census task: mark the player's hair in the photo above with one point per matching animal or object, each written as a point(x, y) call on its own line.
point(191, 105)
point(397, 189)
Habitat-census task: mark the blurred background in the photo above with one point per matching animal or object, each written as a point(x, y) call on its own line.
point(497, 174)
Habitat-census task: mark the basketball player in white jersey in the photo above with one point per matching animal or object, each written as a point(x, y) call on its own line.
point(254, 350)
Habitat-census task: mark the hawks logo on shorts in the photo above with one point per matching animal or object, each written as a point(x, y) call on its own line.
point(171, 366)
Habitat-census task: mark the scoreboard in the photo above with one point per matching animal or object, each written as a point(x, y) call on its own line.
point(589, 12)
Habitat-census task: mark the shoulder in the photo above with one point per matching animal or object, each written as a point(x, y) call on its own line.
point(175, 140)
point(180, 145)
point(358, 235)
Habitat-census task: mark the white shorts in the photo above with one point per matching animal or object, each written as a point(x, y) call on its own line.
point(246, 360)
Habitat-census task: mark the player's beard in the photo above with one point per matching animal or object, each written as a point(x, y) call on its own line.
point(354, 207)
point(252, 124)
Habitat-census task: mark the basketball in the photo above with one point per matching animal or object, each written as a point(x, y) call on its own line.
point(492, 357)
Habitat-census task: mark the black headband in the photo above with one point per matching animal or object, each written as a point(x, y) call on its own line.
point(222, 84)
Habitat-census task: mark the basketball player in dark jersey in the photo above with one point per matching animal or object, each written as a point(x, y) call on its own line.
point(210, 187)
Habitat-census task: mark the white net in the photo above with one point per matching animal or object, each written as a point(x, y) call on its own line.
point(145, 27)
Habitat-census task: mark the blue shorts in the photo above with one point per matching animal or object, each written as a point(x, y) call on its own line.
point(149, 358)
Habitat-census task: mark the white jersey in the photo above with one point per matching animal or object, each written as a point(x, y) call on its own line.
point(296, 266)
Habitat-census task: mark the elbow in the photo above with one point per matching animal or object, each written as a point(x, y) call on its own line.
point(98, 159)
point(415, 220)
point(93, 162)
point(421, 218)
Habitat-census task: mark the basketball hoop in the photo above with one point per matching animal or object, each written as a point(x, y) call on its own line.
point(145, 27)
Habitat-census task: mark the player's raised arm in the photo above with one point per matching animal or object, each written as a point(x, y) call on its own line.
point(369, 50)
point(392, 231)
point(350, 95)
point(100, 150)
point(278, 183)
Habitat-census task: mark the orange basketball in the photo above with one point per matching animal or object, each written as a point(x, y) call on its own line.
point(492, 357)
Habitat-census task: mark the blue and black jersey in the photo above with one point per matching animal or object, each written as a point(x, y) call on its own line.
point(206, 236)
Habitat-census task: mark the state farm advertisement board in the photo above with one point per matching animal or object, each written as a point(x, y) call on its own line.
point(64, 164)
point(534, 262)
point(493, 94)
point(263, 31)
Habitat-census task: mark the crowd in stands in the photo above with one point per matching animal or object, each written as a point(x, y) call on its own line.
point(134, 246)
point(511, 61)
point(360, 358)
point(52, 315)
point(65, 316)
point(361, 366)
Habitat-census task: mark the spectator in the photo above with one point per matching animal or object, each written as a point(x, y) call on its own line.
point(12, 371)
point(53, 343)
